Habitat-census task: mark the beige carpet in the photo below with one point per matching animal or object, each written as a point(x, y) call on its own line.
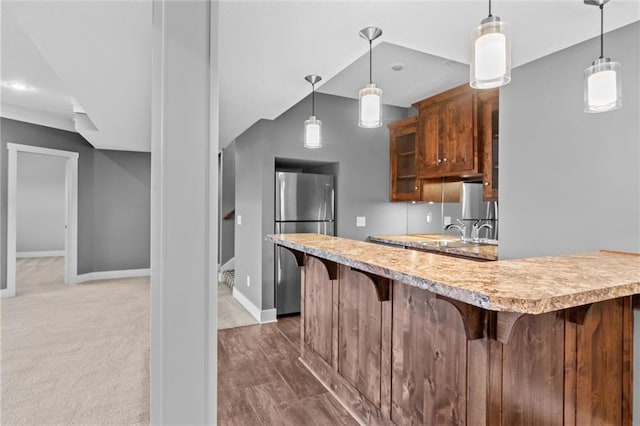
point(80, 354)
point(74, 354)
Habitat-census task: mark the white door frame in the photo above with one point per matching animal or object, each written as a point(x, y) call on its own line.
point(71, 212)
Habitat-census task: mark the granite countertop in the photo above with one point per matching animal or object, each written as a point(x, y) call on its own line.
point(440, 243)
point(532, 285)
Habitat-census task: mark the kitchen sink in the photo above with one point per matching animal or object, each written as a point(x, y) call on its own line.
point(447, 241)
point(467, 244)
point(435, 237)
point(437, 243)
point(454, 243)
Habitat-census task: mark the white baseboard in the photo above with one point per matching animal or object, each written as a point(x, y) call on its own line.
point(46, 253)
point(263, 317)
point(112, 275)
point(267, 316)
point(5, 293)
point(93, 276)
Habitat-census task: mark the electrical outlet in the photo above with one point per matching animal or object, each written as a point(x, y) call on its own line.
point(447, 220)
point(239, 220)
point(248, 281)
point(361, 221)
point(429, 217)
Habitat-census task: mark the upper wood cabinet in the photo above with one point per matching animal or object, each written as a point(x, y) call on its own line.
point(488, 112)
point(447, 137)
point(403, 160)
point(454, 136)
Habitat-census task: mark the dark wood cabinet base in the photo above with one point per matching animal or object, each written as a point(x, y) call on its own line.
point(420, 359)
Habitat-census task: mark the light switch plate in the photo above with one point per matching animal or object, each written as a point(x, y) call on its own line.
point(361, 221)
point(447, 220)
point(239, 220)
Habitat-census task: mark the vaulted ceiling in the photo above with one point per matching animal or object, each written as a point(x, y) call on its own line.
point(98, 54)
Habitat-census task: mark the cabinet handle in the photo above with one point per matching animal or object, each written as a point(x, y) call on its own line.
point(486, 184)
point(444, 159)
point(439, 161)
point(415, 188)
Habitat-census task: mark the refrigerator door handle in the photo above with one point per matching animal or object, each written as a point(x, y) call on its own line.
point(278, 267)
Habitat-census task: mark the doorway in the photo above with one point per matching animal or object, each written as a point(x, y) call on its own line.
point(70, 211)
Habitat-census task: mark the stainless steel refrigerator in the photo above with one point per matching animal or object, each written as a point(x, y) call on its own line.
point(304, 203)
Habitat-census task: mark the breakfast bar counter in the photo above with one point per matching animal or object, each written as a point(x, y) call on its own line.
point(409, 337)
point(532, 286)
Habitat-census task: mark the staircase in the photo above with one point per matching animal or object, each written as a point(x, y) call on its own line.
point(228, 277)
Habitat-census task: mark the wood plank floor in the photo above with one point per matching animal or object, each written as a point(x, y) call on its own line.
point(261, 381)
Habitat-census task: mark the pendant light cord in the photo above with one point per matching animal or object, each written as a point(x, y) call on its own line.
point(490, 15)
point(601, 31)
point(313, 99)
point(370, 61)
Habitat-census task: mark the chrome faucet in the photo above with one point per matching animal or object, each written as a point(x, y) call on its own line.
point(475, 231)
point(461, 228)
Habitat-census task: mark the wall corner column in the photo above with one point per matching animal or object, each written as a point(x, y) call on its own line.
point(184, 147)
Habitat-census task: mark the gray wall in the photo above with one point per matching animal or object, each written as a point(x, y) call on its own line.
point(121, 210)
point(570, 181)
point(227, 203)
point(111, 184)
point(249, 235)
point(40, 203)
point(362, 184)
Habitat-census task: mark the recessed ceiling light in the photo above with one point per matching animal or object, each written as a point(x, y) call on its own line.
point(397, 67)
point(17, 85)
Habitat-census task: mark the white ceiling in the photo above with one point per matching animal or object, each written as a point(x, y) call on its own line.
point(23, 62)
point(99, 53)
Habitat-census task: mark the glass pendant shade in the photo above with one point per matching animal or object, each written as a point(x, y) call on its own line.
point(490, 55)
point(312, 133)
point(370, 107)
point(602, 86)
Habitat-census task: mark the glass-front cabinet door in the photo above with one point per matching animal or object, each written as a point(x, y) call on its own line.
point(404, 178)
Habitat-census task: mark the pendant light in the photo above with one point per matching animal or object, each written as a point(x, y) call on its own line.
point(313, 126)
point(490, 54)
point(602, 83)
point(370, 109)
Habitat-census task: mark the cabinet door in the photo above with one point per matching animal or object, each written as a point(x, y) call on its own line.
point(404, 182)
point(458, 144)
point(488, 113)
point(430, 130)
